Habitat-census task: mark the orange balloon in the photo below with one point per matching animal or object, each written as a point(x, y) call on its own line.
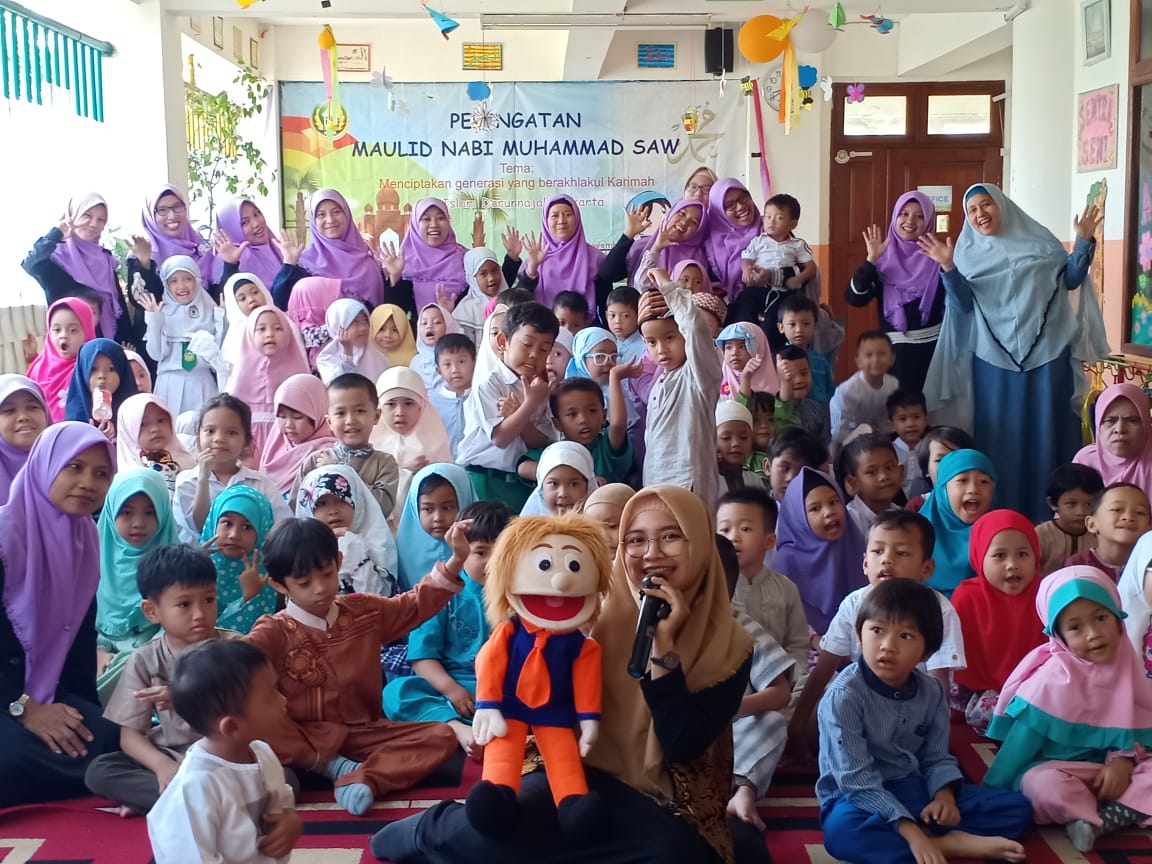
point(755, 43)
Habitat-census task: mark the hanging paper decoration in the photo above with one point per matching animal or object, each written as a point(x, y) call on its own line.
point(484, 119)
point(855, 93)
point(789, 85)
point(837, 18)
point(244, 4)
point(691, 121)
point(879, 23)
point(754, 40)
point(826, 87)
point(807, 76)
point(478, 90)
point(327, 43)
point(446, 24)
point(746, 85)
point(382, 79)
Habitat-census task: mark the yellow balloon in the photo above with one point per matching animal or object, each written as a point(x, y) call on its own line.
point(756, 42)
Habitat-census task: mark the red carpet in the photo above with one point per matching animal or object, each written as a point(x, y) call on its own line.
point(79, 832)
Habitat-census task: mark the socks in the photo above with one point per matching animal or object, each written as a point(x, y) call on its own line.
point(1117, 817)
point(340, 766)
point(1083, 834)
point(356, 798)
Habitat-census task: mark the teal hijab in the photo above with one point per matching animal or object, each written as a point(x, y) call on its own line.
point(952, 532)
point(118, 611)
point(234, 613)
point(419, 550)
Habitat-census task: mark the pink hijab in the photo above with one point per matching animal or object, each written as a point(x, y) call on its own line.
point(307, 307)
point(53, 372)
point(1113, 469)
point(428, 266)
point(1114, 696)
point(257, 376)
point(281, 459)
point(764, 379)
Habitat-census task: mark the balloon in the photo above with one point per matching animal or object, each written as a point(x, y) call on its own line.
point(813, 34)
point(754, 42)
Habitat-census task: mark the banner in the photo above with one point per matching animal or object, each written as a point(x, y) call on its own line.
point(602, 143)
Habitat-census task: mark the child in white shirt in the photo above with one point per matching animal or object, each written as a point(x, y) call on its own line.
point(228, 801)
point(908, 415)
point(862, 400)
point(455, 364)
point(777, 247)
point(872, 474)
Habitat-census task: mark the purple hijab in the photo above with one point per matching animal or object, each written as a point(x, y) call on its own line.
point(12, 458)
point(569, 265)
point(91, 264)
point(824, 571)
point(429, 266)
point(907, 273)
point(264, 261)
point(346, 258)
point(51, 560)
point(187, 242)
point(693, 247)
point(727, 240)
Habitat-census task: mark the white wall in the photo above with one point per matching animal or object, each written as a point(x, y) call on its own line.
point(139, 146)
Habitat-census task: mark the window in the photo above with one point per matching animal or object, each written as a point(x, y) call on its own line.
point(960, 114)
point(876, 115)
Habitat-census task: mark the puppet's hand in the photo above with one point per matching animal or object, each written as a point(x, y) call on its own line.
point(589, 732)
point(488, 723)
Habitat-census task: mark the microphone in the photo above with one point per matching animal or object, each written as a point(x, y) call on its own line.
point(652, 611)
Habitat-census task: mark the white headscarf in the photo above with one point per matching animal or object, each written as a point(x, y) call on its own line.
point(331, 361)
point(234, 318)
point(183, 319)
point(469, 311)
point(128, 421)
point(428, 441)
point(1134, 595)
point(486, 357)
point(567, 453)
point(368, 520)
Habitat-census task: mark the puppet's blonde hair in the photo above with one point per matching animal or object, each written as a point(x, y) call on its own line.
point(527, 532)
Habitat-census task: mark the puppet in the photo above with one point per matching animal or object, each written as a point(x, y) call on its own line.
point(538, 671)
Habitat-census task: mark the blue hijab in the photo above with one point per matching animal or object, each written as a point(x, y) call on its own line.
point(118, 612)
point(78, 405)
point(952, 532)
point(825, 571)
point(418, 549)
point(583, 343)
point(235, 614)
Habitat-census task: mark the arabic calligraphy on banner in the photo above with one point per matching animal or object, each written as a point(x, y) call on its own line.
point(600, 142)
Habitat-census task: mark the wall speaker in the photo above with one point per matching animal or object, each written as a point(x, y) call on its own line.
point(718, 50)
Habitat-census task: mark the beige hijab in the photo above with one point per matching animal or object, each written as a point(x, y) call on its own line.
point(712, 647)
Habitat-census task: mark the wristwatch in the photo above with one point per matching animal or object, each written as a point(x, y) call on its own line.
point(668, 661)
point(16, 709)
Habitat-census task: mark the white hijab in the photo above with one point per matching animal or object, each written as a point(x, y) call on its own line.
point(234, 318)
point(1133, 593)
point(567, 453)
point(331, 361)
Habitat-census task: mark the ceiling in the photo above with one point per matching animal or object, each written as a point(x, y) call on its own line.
point(720, 11)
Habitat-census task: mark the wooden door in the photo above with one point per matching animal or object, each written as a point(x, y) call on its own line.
point(870, 171)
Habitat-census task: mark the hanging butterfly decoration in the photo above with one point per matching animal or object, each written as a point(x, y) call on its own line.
point(382, 79)
point(855, 93)
point(807, 78)
point(691, 121)
point(879, 23)
point(483, 118)
point(826, 87)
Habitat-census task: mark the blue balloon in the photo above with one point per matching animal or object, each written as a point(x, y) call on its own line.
point(808, 77)
point(478, 90)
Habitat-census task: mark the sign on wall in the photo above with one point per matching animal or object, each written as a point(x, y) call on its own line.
point(600, 142)
point(1096, 129)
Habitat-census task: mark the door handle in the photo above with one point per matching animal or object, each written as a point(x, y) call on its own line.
point(843, 156)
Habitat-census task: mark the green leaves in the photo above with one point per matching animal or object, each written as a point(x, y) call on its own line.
point(218, 158)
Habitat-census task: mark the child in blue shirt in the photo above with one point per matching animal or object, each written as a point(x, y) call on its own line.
point(797, 317)
point(889, 789)
point(443, 649)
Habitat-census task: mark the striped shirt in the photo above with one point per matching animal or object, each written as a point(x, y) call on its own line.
point(872, 734)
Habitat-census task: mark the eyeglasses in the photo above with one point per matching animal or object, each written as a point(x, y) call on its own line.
point(696, 187)
point(670, 543)
point(602, 359)
point(177, 210)
point(742, 201)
